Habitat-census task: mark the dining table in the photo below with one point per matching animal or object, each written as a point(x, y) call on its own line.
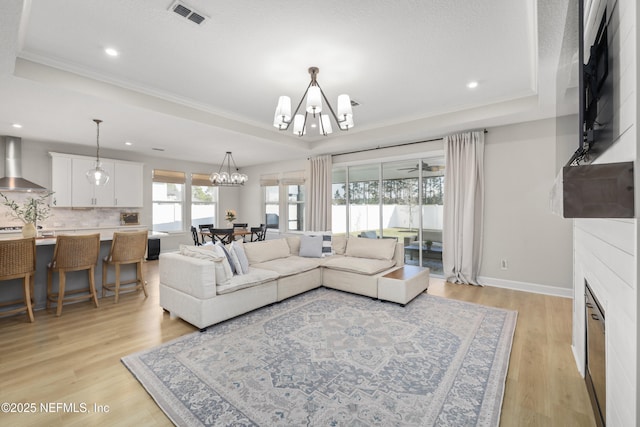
point(237, 232)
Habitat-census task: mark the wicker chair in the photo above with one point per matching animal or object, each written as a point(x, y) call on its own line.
point(73, 253)
point(127, 247)
point(18, 261)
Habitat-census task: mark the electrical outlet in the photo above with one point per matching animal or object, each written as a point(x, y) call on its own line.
point(503, 264)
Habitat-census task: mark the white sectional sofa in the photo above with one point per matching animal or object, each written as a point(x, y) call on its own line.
point(196, 284)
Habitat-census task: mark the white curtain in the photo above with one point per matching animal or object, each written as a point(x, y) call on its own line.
point(319, 201)
point(463, 207)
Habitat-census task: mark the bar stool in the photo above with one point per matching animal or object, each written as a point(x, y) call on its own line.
point(127, 247)
point(18, 260)
point(73, 253)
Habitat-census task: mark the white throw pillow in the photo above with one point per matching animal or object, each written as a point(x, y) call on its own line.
point(327, 248)
point(228, 273)
point(311, 246)
point(238, 249)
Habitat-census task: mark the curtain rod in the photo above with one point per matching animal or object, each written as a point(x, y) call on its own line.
point(379, 147)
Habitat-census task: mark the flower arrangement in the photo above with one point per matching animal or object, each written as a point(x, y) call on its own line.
point(33, 209)
point(230, 215)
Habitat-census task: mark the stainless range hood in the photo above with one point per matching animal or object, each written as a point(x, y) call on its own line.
point(13, 181)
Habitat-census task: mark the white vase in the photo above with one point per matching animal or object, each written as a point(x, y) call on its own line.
point(229, 225)
point(29, 230)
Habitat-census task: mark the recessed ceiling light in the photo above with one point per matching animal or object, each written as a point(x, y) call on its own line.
point(472, 84)
point(128, 143)
point(111, 51)
point(17, 125)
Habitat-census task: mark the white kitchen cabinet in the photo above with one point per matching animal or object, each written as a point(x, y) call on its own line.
point(128, 184)
point(61, 181)
point(86, 194)
point(72, 189)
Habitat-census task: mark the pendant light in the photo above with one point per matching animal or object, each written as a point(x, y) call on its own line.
point(97, 175)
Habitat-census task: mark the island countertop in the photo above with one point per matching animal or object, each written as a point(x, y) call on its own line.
point(47, 236)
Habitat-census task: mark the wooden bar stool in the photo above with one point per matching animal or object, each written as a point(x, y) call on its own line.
point(18, 260)
point(73, 253)
point(127, 247)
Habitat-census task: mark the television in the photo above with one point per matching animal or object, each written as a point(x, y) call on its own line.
point(596, 95)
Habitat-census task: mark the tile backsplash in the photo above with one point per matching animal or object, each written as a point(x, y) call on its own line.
point(64, 217)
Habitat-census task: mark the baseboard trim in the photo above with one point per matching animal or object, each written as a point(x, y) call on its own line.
point(527, 287)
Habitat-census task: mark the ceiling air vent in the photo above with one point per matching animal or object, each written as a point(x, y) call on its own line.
point(354, 103)
point(187, 12)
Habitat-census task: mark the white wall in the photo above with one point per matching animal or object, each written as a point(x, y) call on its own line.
point(606, 249)
point(520, 168)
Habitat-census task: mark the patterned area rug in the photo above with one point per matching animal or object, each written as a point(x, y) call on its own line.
point(329, 358)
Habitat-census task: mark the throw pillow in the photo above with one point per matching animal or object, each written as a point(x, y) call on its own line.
point(222, 272)
point(223, 276)
point(327, 249)
point(235, 262)
point(228, 255)
point(311, 246)
point(238, 250)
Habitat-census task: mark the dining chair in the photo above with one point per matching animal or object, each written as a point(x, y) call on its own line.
point(223, 235)
point(194, 236)
point(241, 225)
point(127, 247)
point(258, 233)
point(73, 253)
point(18, 261)
point(204, 227)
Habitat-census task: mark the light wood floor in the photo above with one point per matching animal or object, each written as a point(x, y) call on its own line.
point(75, 359)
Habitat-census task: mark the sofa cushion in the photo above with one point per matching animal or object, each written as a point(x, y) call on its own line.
point(366, 266)
point(266, 250)
point(339, 244)
point(294, 244)
point(237, 248)
point(253, 277)
point(290, 265)
point(371, 248)
point(311, 246)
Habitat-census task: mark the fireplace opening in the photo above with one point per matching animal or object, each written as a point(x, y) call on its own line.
point(596, 355)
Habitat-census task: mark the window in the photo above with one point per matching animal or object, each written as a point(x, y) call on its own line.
point(284, 200)
point(272, 206)
point(168, 200)
point(295, 208)
point(204, 200)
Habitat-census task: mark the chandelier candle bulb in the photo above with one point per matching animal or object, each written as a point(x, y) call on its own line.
point(344, 107)
point(298, 125)
point(326, 124)
point(314, 100)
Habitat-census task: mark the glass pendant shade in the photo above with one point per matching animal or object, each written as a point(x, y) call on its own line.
point(314, 100)
point(97, 175)
point(344, 107)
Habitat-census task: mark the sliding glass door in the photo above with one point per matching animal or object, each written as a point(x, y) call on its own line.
point(401, 200)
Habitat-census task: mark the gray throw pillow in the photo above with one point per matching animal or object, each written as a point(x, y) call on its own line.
point(311, 246)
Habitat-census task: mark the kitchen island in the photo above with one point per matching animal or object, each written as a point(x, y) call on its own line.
point(11, 290)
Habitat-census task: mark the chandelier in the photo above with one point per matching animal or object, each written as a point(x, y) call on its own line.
point(224, 176)
point(314, 95)
point(97, 175)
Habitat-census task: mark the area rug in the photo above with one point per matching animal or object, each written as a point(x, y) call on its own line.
point(329, 358)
